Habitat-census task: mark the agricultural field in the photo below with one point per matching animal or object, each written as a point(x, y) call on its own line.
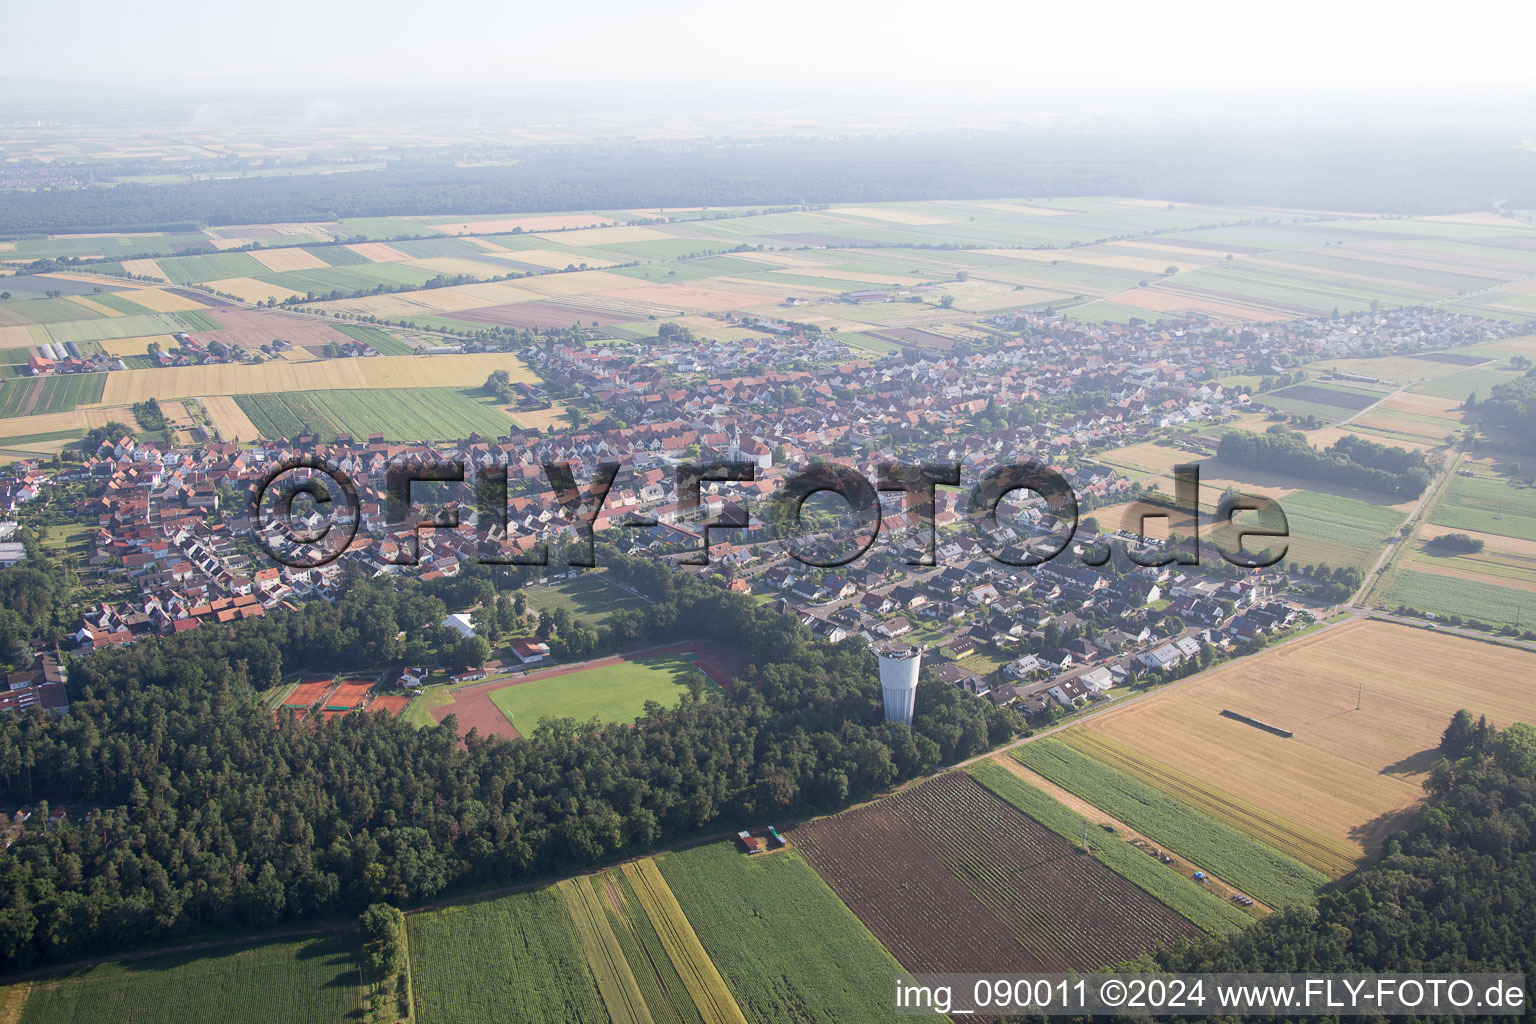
point(742, 909)
point(29, 396)
point(400, 414)
point(612, 693)
point(1253, 866)
point(695, 969)
point(1348, 775)
point(1192, 901)
point(514, 958)
point(1487, 504)
point(124, 387)
point(312, 980)
point(963, 878)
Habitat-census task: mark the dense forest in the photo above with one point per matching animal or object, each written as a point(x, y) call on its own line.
point(1454, 892)
point(1510, 407)
point(1351, 461)
point(1381, 172)
point(191, 809)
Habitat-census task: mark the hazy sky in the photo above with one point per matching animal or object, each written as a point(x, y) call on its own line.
point(788, 50)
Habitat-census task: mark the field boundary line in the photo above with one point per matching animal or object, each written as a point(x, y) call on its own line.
point(710, 993)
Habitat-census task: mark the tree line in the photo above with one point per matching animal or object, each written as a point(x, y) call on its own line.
point(1351, 461)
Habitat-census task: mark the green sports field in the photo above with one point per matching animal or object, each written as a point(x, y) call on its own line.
point(610, 693)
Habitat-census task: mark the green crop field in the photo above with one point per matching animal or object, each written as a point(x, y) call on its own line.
point(1487, 505)
point(197, 320)
point(314, 980)
point(16, 312)
point(660, 986)
point(400, 414)
point(610, 693)
point(384, 343)
point(215, 267)
point(1451, 595)
point(515, 958)
point(1464, 382)
point(1337, 530)
point(588, 596)
point(1241, 860)
point(346, 279)
point(29, 396)
point(338, 256)
point(1195, 903)
point(785, 944)
point(106, 329)
point(121, 302)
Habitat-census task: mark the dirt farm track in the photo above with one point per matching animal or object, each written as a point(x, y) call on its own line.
point(476, 711)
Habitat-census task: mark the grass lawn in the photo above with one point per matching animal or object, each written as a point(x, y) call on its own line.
point(419, 711)
point(612, 693)
point(310, 980)
point(588, 596)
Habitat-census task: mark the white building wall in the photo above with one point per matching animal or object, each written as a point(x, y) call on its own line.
point(898, 683)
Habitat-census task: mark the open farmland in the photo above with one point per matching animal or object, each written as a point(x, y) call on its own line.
point(124, 387)
point(1248, 863)
point(963, 879)
point(30, 396)
point(1193, 901)
point(745, 911)
point(400, 414)
point(515, 958)
point(1345, 774)
point(312, 980)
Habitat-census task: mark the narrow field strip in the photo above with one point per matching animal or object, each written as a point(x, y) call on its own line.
point(706, 987)
point(615, 981)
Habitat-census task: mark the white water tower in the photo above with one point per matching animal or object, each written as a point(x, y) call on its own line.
point(898, 680)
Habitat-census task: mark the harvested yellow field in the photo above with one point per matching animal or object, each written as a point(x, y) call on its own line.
point(690, 297)
point(298, 354)
point(1148, 457)
point(248, 289)
point(774, 291)
point(43, 423)
point(851, 276)
point(124, 387)
point(533, 222)
point(464, 296)
point(453, 266)
point(101, 279)
point(581, 283)
point(144, 268)
point(1036, 211)
point(1424, 405)
point(540, 419)
point(889, 215)
point(222, 244)
point(553, 260)
point(230, 420)
point(16, 337)
point(378, 252)
point(1397, 424)
point(487, 244)
point(1157, 301)
point(448, 370)
point(1345, 773)
point(135, 346)
point(607, 236)
point(7, 246)
point(279, 260)
point(94, 307)
point(162, 301)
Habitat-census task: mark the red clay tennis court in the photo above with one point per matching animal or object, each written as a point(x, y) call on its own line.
point(347, 696)
point(306, 695)
point(393, 703)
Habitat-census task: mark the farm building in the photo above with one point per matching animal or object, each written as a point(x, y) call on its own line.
point(749, 842)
